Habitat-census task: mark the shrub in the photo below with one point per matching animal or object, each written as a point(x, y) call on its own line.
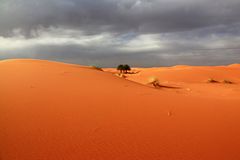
point(97, 68)
point(211, 80)
point(120, 75)
point(154, 81)
point(227, 81)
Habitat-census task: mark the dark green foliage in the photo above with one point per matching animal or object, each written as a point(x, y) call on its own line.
point(123, 68)
point(126, 68)
point(120, 68)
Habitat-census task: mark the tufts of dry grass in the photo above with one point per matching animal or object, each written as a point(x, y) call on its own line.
point(211, 80)
point(121, 75)
point(154, 81)
point(97, 68)
point(227, 81)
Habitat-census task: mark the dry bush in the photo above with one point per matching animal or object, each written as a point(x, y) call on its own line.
point(154, 81)
point(211, 80)
point(97, 68)
point(227, 81)
point(120, 75)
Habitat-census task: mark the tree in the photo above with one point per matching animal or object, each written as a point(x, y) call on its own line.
point(120, 68)
point(123, 68)
point(126, 68)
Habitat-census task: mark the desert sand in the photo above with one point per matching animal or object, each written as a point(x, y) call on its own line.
point(53, 111)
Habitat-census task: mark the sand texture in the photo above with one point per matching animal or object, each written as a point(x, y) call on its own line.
point(57, 111)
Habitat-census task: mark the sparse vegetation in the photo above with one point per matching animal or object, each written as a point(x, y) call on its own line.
point(97, 68)
point(154, 81)
point(120, 75)
point(123, 68)
point(227, 81)
point(126, 68)
point(120, 68)
point(211, 80)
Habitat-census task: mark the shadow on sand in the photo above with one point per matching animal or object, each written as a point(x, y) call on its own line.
point(158, 86)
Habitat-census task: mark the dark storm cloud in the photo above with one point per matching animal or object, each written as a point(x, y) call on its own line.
point(93, 16)
point(108, 32)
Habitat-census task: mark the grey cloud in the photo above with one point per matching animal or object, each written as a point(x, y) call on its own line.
point(178, 50)
point(147, 16)
point(195, 32)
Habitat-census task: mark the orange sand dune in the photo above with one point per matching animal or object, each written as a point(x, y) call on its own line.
point(193, 80)
point(53, 111)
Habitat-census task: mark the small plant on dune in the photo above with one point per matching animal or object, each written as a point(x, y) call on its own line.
point(154, 81)
point(211, 80)
point(120, 75)
point(227, 81)
point(97, 68)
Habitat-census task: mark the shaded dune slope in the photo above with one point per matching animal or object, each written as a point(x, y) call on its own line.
point(52, 111)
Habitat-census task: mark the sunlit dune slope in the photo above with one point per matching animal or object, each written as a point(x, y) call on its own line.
point(188, 74)
point(52, 111)
point(193, 80)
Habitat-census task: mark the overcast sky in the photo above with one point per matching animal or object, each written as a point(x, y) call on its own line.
point(109, 32)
